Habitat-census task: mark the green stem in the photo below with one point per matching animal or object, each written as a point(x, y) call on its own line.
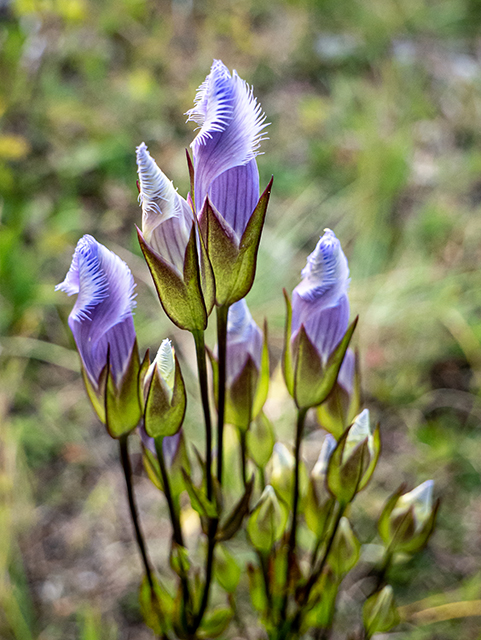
point(174, 516)
point(204, 393)
point(222, 350)
point(127, 468)
point(209, 565)
point(243, 453)
point(291, 546)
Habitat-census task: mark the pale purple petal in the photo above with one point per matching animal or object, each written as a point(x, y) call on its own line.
point(102, 314)
point(232, 127)
point(320, 302)
point(170, 445)
point(235, 194)
point(167, 219)
point(244, 339)
point(346, 372)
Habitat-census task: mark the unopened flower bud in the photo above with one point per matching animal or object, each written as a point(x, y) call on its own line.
point(379, 612)
point(165, 394)
point(354, 459)
point(267, 521)
point(280, 468)
point(408, 519)
point(319, 501)
point(345, 549)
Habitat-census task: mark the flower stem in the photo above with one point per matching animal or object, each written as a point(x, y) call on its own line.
point(243, 454)
point(204, 393)
point(222, 349)
point(127, 468)
point(291, 546)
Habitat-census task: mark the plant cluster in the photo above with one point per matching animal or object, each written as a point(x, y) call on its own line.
point(201, 252)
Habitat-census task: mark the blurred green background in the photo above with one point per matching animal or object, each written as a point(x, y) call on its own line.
point(375, 112)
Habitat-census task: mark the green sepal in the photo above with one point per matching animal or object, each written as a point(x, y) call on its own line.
point(373, 458)
point(267, 521)
point(343, 478)
point(320, 607)
point(155, 606)
point(144, 367)
point(226, 570)
point(257, 588)
point(190, 166)
point(164, 416)
point(261, 440)
point(179, 559)
point(123, 409)
point(340, 408)
point(240, 396)
point(287, 365)
point(233, 264)
point(180, 295)
point(379, 613)
point(215, 623)
point(313, 382)
point(383, 525)
point(96, 397)
point(318, 510)
point(234, 519)
point(345, 549)
point(262, 389)
point(198, 499)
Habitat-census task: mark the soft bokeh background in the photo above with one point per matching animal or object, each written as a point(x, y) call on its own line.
point(375, 112)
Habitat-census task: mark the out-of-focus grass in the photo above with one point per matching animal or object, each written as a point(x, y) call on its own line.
point(375, 111)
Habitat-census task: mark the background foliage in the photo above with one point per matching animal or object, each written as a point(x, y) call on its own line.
point(375, 111)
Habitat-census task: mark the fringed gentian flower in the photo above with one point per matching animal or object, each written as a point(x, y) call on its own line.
point(320, 316)
point(101, 320)
point(231, 129)
point(177, 262)
point(225, 170)
point(167, 219)
point(247, 365)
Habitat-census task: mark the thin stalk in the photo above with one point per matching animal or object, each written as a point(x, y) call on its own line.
point(222, 349)
point(243, 454)
point(209, 565)
point(291, 545)
point(204, 394)
point(127, 468)
point(174, 516)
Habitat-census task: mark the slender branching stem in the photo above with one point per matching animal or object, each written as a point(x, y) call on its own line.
point(127, 468)
point(243, 454)
point(222, 349)
point(291, 545)
point(209, 565)
point(174, 516)
point(204, 393)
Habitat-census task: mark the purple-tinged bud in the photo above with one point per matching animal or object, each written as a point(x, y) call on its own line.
point(231, 130)
point(319, 302)
point(167, 219)
point(103, 328)
point(175, 457)
point(244, 340)
point(101, 318)
point(319, 471)
point(317, 332)
point(247, 367)
point(226, 180)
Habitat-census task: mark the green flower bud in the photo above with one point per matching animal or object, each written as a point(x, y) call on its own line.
point(345, 549)
point(408, 519)
point(267, 521)
point(319, 501)
point(354, 459)
point(379, 613)
point(281, 468)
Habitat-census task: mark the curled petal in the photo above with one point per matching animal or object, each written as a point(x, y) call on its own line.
point(320, 302)
point(244, 339)
point(101, 318)
point(166, 217)
point(231, 127)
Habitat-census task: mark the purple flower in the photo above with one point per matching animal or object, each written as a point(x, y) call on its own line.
point(244, 340)
point(101, 319)
point(167, 219)
point(231, 130)
point(320, 302)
